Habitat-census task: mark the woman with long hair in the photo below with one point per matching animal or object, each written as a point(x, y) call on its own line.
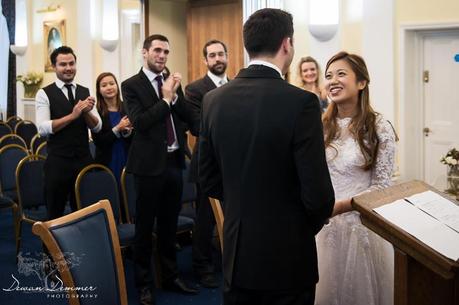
point(355, 264)
point(309, 79)
point(112, 142)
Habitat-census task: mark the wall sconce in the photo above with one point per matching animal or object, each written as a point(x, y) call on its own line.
point(20, 36)
point(323, 19)
point(18, 50)
point(110, 31)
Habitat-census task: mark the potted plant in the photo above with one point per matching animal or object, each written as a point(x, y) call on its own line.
point(32, 82)
point(451, 159)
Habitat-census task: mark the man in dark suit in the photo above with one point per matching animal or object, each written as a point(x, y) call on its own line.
point(215, 58)
point(262, 151)
point(159, 114)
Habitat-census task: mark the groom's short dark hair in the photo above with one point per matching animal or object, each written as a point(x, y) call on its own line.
point(264, 31)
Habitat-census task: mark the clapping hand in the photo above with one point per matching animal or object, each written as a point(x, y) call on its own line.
point(170, 86)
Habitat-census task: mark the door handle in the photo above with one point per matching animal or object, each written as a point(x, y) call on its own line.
point(426, 131)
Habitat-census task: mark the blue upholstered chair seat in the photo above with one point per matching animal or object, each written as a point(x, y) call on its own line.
point(38, 213)
point(184, 223)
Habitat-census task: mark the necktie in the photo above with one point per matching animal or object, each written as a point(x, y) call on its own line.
point(70, 93)
point(169, 128)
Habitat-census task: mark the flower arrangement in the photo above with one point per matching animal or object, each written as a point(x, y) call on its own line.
point(31, 78)
point(451, 158)
point(31, 82)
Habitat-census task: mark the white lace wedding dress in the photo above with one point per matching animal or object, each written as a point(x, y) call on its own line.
point(355, 264)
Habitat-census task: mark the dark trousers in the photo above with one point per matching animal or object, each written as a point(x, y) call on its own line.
point(240, 296)
point(60, 176)
point(203, 234)
point(158, 197)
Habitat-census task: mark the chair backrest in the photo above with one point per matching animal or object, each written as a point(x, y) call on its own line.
point(129, 194)
point(42, 149)
point(10, 155)
point(12, 139)
point(5, 129)
point(29, 182)
point(26, 130)
point(36, 141)
point(96, 182)
point(85, 248)
point(219, 218)
point(12, 121)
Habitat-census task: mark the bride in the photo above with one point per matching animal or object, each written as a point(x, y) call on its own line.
point(355, 264)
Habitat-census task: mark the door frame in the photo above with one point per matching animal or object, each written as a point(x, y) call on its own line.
point(411, 112)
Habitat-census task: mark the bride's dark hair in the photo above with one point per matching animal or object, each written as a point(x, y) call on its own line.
point(363, 124)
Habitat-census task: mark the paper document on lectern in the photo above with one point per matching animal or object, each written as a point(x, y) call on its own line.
point(425, 227)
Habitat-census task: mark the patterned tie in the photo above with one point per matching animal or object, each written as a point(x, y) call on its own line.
point(169, 128)
point(70, 93)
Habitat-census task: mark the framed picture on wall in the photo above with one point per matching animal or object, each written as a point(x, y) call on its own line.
point(53, 37)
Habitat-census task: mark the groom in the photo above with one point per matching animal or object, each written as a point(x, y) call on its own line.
point(262, 152)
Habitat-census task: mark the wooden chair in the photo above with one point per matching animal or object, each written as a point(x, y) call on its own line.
point(85, 248)
point(12, 121)
point(36, 141)
point(96, 182)
point(31, 193)
point(26, 130)
point(219, 218)
point(12, 139)
point(42, 149)
point(5, 129)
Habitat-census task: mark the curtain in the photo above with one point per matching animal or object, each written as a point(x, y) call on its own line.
point(8, 8)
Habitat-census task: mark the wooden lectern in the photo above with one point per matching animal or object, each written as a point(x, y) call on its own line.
point(422, 276)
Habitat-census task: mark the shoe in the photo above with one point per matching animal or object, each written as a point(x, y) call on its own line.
point(209, 280)
point(146, 297)
point(178, 285)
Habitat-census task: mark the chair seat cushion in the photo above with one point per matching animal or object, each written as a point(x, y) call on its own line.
point(39, 213)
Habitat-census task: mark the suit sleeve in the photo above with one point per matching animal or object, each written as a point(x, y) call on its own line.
point(194, 97)
point(210, 177)
point(142, 117)
point(186, 113)
point(308, 145)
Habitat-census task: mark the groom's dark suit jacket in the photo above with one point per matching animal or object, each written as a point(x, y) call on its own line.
point(262, 151)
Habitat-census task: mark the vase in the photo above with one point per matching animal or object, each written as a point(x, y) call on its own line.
point(31, 90)
point(453, 179)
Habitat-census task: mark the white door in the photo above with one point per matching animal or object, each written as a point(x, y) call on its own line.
point(441, 102)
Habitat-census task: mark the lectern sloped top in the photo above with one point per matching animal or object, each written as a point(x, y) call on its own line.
point(399, 238)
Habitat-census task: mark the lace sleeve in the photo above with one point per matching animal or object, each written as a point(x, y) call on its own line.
point(382, 172)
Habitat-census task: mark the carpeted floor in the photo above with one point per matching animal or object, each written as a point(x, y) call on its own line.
point(12, 278)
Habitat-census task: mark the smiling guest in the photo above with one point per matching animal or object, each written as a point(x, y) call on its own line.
point(158, 113)
point(112, 142)
point(309, 74)
point(64, 112)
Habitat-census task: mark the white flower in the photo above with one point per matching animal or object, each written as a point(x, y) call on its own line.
point(449, 160)
point(453, 161)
